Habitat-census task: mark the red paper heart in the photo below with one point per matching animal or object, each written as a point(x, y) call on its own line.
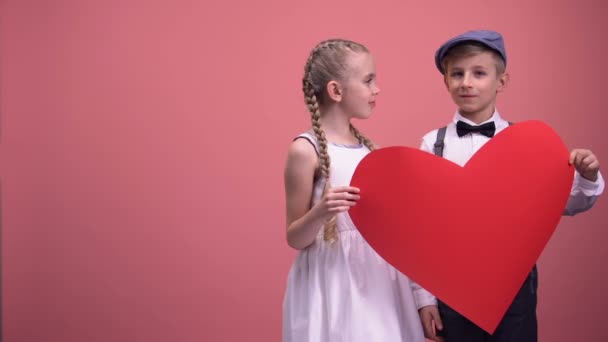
point(469, 235)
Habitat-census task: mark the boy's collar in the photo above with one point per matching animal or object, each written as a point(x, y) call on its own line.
point(495, 117)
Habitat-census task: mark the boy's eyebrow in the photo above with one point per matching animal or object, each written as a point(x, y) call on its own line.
point(473, 67)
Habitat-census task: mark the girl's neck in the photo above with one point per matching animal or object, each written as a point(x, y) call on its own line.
point(337, 128)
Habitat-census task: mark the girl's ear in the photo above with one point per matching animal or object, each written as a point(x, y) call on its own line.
point(334, 90)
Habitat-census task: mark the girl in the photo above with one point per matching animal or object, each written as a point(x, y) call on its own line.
point(338, 288)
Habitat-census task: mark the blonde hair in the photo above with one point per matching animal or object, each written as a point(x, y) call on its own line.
point(472, 48)
point(327, 62)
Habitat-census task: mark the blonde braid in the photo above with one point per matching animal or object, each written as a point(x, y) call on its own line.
point(330, 233)
point(362, 139)
point(326, 62)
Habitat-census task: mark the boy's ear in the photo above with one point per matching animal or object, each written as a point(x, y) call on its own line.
point(503, 80)
point(334, 90)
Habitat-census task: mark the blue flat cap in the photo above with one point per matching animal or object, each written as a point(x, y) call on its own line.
point(491, 39)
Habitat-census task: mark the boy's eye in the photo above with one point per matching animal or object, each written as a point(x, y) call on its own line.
point(456, 74)
point(480, 73)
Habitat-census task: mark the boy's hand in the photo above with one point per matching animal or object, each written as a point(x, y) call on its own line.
point(431, 322)
point(586, 163)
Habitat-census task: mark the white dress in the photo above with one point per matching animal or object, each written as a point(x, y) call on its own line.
point(345, 292)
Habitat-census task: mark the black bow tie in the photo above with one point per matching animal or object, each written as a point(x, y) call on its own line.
point(487, 129)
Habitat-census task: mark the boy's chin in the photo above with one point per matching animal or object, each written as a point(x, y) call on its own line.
point(467, 111)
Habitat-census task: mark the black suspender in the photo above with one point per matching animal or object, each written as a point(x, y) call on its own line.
point(438, 147)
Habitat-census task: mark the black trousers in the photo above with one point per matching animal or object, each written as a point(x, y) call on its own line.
point(518, 325)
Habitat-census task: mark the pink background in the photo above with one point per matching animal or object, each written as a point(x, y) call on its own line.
point(143, 146)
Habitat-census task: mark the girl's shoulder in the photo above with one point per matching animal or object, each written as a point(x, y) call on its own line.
point(306, 138)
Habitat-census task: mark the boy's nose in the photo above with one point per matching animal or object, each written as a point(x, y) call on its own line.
point(466, 80)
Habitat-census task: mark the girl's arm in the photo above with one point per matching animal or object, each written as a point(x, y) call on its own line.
point(304, 222)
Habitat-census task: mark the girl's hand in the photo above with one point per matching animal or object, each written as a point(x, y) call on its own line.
point(336, 200)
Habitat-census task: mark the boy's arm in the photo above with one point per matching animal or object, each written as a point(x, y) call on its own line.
point(426, 303)
point(422, 297)
point(425, 146)
point(430, 318)
point(588, 182)
point(584, 193)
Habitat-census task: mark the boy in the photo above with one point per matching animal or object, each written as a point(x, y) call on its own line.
point(474, 69)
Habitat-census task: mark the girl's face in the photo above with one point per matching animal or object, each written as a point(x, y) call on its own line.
point(360, 88)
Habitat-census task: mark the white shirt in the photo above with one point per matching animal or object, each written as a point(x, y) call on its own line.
point(459, 150)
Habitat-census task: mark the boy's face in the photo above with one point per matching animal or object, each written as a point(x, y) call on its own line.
point(473, 84)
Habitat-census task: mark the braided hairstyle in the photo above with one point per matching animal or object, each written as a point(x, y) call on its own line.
point(327, 62)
